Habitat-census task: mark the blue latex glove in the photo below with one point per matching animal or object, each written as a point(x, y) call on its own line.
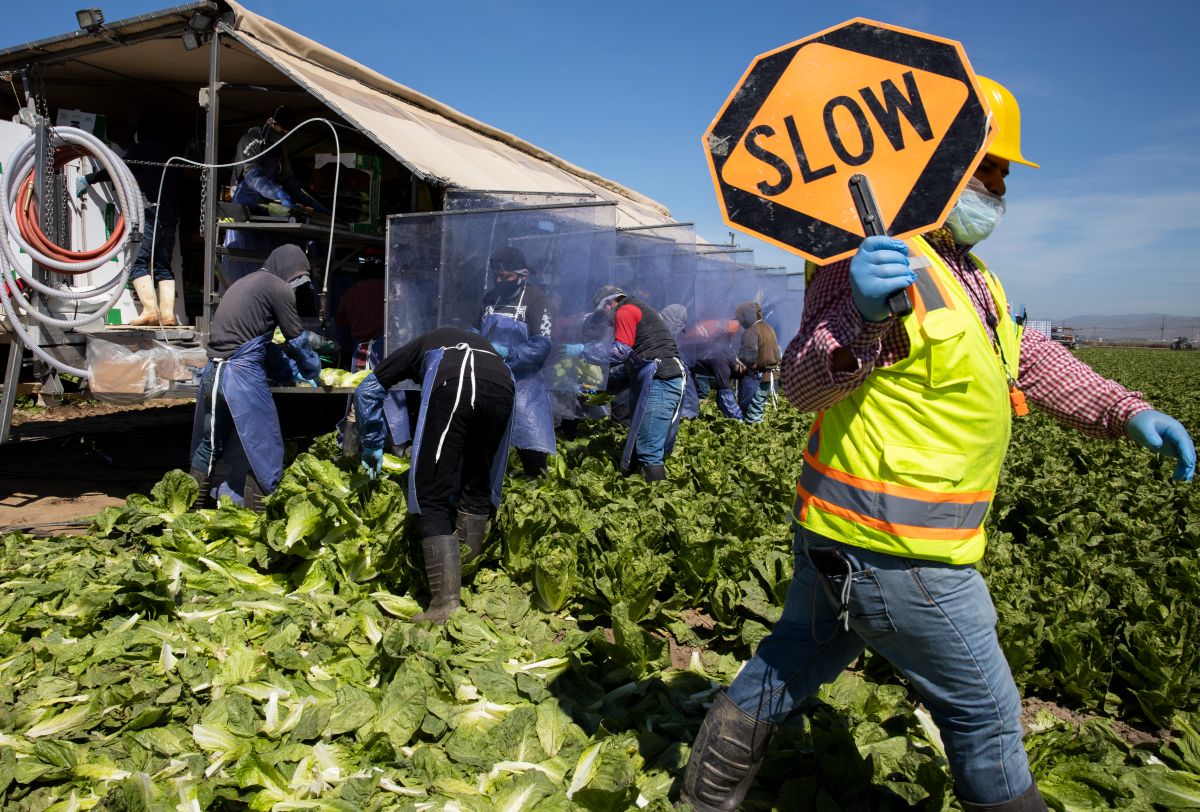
point(286, 201)
point(572, 350)
point(501, 350)
point(879, 269)
point(305, 382)
point(81, 185)
point(1166, 435)
point(372, 461)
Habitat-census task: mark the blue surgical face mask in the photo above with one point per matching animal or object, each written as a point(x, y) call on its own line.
point(976, 214)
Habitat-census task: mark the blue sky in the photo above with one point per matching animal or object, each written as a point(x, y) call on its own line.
point(1109, 94)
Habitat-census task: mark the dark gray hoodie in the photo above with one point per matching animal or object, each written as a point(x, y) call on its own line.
point(259, 302)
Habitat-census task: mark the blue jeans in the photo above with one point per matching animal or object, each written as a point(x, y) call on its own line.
point(934, 622)
point(165, 218)
point(661, 402)
point(753, 395)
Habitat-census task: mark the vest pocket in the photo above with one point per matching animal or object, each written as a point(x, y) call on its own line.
point(919, 466)
point(945, 332)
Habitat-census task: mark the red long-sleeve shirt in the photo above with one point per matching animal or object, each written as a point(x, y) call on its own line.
point(1050, 376)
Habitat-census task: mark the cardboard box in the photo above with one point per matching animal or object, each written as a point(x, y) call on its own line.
point(360, 181)
point(96, 124)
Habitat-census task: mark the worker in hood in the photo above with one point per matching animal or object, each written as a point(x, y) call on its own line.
point(709, 347)
point(757, 364)
point(675, 317)
point(234, 407)
point(459, 451)
point(517, 318)
point(160, 220)
point(642, 344)
point(913, 420)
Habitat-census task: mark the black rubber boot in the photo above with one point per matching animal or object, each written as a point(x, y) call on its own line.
point(204, 482)
point(654, 473)
point(253, 495)
point(470, 529)
point(444, 571)
point(533, 463)
point(726, 756)
point(1028, 801)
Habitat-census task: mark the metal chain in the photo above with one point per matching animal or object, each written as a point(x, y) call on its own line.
point(203, 200)
point(128, 162)
point(42, 106)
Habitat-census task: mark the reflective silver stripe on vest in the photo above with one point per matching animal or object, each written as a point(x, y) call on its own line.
point(931, 294)
point(886, 507)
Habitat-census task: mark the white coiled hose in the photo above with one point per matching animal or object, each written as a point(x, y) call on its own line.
point(129, 198)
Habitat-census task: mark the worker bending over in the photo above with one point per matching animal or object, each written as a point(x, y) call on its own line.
point(459, 451)
point(234, 406)
point(643, 345)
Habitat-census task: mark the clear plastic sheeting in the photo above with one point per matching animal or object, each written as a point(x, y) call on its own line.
point(141, 369)
point(438, 274)
point(651, 261)
point(721, 279)
point(469, 199)
point(782, 300)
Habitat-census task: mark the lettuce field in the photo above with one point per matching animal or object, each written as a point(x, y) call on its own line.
point(177, 659)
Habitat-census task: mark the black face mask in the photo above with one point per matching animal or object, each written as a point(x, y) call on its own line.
point(271, 135)
point(506, 289)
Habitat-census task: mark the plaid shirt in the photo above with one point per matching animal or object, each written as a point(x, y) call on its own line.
point(1050, 376)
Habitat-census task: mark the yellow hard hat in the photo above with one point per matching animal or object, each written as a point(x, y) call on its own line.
point(1003, 105)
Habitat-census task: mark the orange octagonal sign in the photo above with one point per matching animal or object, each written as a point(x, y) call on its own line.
point(899, 106)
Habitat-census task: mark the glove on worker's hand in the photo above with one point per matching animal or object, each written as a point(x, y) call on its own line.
point(286, 201)
point(501, 350)
point(302, 381)
point(572, 350)
point(879, 269)
point(372, 461)
point(1166, 435)
point(81, 185)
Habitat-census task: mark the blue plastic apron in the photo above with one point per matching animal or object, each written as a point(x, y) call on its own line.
point(395, 405)
point(639, 393)
point(429, 367)
point(533, 421)
point(243, 383)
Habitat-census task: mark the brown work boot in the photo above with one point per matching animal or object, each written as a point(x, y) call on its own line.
point(1028, 801)
point(725, 757)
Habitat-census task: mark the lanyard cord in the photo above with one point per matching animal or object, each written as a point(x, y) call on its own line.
point(979, 290)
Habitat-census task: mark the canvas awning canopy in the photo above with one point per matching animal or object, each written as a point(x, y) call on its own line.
point(435, 142)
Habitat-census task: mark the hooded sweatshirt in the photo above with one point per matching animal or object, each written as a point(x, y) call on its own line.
point(760, 346)
point(259, 302)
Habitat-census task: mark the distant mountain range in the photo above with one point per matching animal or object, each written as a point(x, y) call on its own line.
point(1140, 327)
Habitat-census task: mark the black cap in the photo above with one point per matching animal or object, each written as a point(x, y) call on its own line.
point(284, 116)
point(507, 258)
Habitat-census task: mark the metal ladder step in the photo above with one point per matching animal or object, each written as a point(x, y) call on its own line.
point(8, 389)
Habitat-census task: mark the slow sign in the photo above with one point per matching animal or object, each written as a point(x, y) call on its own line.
point(899, 106)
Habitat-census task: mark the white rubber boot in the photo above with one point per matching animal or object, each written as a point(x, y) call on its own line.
point(143, 286)
point(166, 303)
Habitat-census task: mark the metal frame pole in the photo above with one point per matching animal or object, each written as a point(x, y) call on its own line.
point(210, 157)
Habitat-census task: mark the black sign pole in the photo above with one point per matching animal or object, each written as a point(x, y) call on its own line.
point(872, 222)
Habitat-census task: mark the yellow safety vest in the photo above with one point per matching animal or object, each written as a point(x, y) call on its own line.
point(907, 463)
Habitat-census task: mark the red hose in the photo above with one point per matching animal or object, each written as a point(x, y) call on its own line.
point(31, 230)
